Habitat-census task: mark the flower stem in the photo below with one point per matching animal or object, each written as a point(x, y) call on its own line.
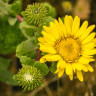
point(21, 19)
point(38, 55)
point(58, 86)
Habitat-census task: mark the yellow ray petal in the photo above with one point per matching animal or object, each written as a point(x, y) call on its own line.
point(69, 70)
point(51, 30)
point(47, 29)
point(60, 21)
point(76, 24)
point(62, 27)
point(58, 28)
point(41, 39)
point(57, 70)
point(67, 24)
point(88, 52)
point(80, 67)
point(50, 57)
point(83, 60)
point(82, 29)
point(60, 72)
point(94, 40)
point(73, 67)
point(48, 36)
point(71, 77)
point(70, 21)
point(90, 68)
point(61, 64)
point(80, 76)
point(88, 46)
point(87, 32)
point(89, 38)
point(57, 24)
point(54, 30)
point(47, 49)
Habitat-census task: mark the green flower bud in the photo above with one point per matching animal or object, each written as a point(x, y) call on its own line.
point(28, 77)
point(35, 14)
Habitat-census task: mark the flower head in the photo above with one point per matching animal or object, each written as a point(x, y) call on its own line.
point(35, 14)
point(28, 77)
point(82, 9)
point(67, 6)
point(69, 44)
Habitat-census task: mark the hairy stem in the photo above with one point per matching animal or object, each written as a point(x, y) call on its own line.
point(38, 55)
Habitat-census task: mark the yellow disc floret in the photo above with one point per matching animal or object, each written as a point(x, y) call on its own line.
point(68, 49)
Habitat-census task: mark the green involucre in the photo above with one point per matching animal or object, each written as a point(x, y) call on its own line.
point(28, 77)
point(35, 14)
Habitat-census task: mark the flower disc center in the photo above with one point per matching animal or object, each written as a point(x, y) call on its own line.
point(28, 77)
point(68, 48)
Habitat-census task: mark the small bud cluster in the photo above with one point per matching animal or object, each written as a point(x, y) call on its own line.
point(35, 14)
point(28, 77)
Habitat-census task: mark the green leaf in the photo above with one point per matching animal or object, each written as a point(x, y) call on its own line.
point(42, 67)
point(51, 10)
point(17, 7)
point(48, 20)
point(6, 1)
point(6, 76)
point(4, 8)
point(10, 36)
point(53, 67)
point(37, 35)
point(27, 29)
point(27, 48)
point(26, 60)
point(12, 20)
point(4, 64)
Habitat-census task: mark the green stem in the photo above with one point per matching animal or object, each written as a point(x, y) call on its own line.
point(58, 87)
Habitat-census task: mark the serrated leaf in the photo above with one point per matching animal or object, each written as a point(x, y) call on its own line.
point(27, 48)
point(42, 67)
point(6, 76)
point(53, 67)
point(26, 60)
point(4, 64)
point(12, 20)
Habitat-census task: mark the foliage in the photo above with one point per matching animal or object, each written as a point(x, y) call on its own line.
point(5, 75)
point(34, 18)
point(51, 10)
point(32, 27)
point(10, 35)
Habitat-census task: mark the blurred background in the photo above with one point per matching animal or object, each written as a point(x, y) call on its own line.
point(11, 36)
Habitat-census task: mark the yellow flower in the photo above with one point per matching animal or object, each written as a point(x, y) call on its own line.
point(67, 6)
point(69, 44)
